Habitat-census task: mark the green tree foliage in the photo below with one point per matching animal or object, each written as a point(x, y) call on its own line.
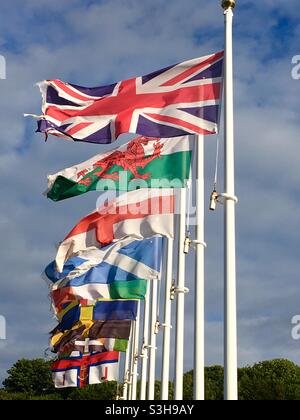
point(157, 390)
point(105, 391)
point(270, 380)
point(6, 395)
point(213, 383)
point(214, 379)
point(30, 376)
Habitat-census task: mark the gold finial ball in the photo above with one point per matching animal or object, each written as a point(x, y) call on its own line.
point(226, 4)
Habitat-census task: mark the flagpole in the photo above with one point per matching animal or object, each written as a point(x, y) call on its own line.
point(199, 386)
point(135, 352)
point(230, 322)
point(153, 326)
point(127, 370)
point(167, 323)
point(131, 361)
point(180, 290)
point(144, 355)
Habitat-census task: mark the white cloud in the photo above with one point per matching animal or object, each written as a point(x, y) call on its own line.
point(102, 43)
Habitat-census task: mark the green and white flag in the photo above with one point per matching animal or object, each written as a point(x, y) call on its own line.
point(141, 163)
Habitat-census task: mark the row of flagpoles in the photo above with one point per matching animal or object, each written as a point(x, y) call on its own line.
point(230, 338)
point(82, 256)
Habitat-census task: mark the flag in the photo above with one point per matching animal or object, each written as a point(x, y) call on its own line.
point(141, 163)
point(125, 254)
point(131, 289)
point(138, 214)
point(118, 271)
point(86, 370)
point(102, 310)
point(177, 100)
point(99, 345)
point(93, 330)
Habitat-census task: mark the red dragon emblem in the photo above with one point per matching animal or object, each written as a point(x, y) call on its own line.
point(131, 159)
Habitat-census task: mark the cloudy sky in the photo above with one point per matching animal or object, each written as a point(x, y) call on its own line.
point(99, 42)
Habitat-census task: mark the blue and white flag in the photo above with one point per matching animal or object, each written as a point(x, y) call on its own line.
point(118, 271)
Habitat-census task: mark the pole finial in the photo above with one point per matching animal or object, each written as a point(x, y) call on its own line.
point(227, 4)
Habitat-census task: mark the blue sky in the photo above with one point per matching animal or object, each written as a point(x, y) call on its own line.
point(98, 42)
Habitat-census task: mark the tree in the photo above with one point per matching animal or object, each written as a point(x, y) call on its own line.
point(213, 383)
point(214, 380)
point(188, 385)
point(30, 376)
point(270, 380)
point(104, 391)
point(277, 379)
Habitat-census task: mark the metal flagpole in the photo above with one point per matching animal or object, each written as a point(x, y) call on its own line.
point(126, 370)
point(131, 359)
point(230, 322)
point(153, 327)
point(199, 274)
point(180, 290)
point(144, 355)
point(167, 323)
point(135, 352)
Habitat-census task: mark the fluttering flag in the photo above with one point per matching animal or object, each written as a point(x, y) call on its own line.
point(131, 289)
point(138, 214)
point(177, 100)
point(102, 310)
point(93, 330)
point(141, 163)
point(100, 345)
point(129, 255)
point(118, 271)
point(86, 370)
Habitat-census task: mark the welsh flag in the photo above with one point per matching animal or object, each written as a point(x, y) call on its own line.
point(141, 163)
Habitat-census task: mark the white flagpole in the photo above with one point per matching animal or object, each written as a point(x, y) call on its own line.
point(199, 275)
point(131, 360)
point(180, 290)
point(153, 325)
point(167, 323)
point(230, 322)
point(135, 353)
point(127, 370)
point(144, 355)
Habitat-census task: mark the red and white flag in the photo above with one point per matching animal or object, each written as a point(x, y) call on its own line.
point(86, 370)
point(137, 214)
point(178, 100)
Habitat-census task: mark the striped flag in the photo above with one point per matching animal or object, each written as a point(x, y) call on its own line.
point(131, 289)
point(100, 345)
point(180, 99)
point(87, 345)
point(86, 370)
point(102, 310)
point(133, 214)
point(141, 163)
point(92, 330)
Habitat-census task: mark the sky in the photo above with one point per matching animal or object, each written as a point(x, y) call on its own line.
point(94, 43)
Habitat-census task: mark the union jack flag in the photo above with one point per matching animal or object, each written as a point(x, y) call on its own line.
point(175, 101)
